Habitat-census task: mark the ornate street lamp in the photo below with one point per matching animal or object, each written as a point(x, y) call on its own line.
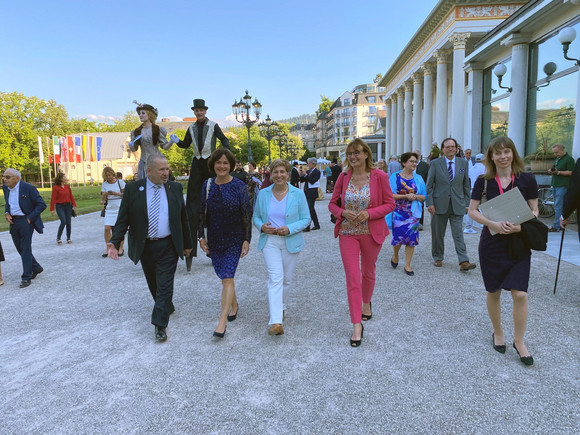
point(269, 130)
point(241, 111)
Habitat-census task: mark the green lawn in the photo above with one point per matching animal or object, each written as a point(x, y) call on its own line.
point(87, 198)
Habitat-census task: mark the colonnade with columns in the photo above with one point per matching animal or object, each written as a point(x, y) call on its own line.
point(433, 101)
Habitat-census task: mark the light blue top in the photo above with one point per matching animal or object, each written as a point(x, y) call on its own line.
point(297, 217)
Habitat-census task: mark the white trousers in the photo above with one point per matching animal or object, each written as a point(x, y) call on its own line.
point(280, 265)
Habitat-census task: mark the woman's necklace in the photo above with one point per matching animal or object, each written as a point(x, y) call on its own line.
point(280, 193)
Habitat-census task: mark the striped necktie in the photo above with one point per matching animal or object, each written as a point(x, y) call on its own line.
point(450, 170)
point(154, 213)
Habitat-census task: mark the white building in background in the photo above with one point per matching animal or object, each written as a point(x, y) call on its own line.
point(442, 84)
point(353, 114)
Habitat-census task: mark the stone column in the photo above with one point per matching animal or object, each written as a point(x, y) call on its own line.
point(394, 110)
point(474, 108)
point(408, 115)
point(458, 92)
point(379, 151)
point(417, 110)
point(400, 121)
point(575, 152)
point(519, 94)
point(388, 115)
point(442, 57)
point(427, 120)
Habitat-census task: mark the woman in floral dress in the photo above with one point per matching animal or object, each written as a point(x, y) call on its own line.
point(409, 192)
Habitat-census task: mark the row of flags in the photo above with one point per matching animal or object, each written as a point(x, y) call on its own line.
point(71, 149)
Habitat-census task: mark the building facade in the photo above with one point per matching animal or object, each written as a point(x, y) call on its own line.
point(353, 114)
point(443, 85)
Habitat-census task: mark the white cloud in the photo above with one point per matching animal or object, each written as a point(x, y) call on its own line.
point(173, 118)
point(100, 118)
point(556, 103)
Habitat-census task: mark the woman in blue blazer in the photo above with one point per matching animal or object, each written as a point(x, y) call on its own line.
point(281, 214)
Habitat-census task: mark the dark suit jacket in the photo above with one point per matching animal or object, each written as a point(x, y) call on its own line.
point(294, 177)
point(440, 189)
point(572, 197)
point(31, 204)
point(311, 177)
point(133, 215)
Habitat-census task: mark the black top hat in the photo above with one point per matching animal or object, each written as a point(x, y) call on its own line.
point(199, 104)
point(146, 107)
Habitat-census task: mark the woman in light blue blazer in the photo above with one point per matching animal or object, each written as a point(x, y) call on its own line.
point(281, 213)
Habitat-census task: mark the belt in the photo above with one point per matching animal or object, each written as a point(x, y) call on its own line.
point(156, 239)
point(18, 217)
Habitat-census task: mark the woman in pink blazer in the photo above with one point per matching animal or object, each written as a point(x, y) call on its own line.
point(361, 199)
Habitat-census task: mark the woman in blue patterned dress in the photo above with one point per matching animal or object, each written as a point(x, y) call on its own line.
point(226, 214)
point(409, 192)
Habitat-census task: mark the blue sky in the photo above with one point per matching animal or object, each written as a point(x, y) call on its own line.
point(96, 57)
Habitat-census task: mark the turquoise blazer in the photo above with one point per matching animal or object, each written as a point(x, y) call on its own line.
point(297, 217)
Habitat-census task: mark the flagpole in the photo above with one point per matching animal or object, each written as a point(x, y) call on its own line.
point(49, 171)
point(83, 163)
point(40, 160)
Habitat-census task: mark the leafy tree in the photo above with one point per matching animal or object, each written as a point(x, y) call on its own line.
point(130, 121)
point(179, 159)
point(238, 137)
point(557, 127)
point(324, 106)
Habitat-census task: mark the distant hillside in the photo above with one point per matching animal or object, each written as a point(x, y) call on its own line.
point(302, 119)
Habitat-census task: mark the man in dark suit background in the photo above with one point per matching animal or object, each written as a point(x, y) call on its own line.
point(295, 175)
point(572, 197)
point(22, 211)
point(154, 212)
point(311, 185)
point(448, 195)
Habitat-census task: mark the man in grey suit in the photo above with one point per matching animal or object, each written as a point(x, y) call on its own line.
point(448, 195)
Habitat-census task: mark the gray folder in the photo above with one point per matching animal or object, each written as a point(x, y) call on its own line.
point(510, 206)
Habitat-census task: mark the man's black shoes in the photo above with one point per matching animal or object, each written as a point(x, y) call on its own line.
point(37, 272)
point(160, 334)
point(24, 283)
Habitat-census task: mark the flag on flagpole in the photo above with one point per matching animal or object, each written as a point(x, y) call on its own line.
point(93, 149)
point(78, 151)
point(99, 146)
point(62, 142)
point(71, 149)
point(56, 149)
point(85, 146)
point(40, 152)
point(48, 151)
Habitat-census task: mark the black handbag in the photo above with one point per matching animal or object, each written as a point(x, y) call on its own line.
point(333, 217)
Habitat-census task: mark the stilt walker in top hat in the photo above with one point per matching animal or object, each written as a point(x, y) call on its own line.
point(203, 134)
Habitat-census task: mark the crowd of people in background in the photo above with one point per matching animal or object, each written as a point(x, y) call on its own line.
point(224, 199)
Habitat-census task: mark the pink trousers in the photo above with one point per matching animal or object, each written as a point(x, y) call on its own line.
point(359, 254)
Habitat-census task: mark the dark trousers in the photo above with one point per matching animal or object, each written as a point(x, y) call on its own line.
point(64, 212)
point(198, 173)
point(311, 195)
point(159, 262)
point(21, 232)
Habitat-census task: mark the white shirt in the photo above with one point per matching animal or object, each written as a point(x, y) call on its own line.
point(277, 211)
point(477, 170)
point(163, 229)
point(13, 201)
point(452, 165)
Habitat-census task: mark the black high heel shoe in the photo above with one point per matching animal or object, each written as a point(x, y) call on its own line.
point(220, 334)
point(232, 317)
point(498, 347)
point(393, 264)
point(527, 360)
point(366, 317)
point(356, 343)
